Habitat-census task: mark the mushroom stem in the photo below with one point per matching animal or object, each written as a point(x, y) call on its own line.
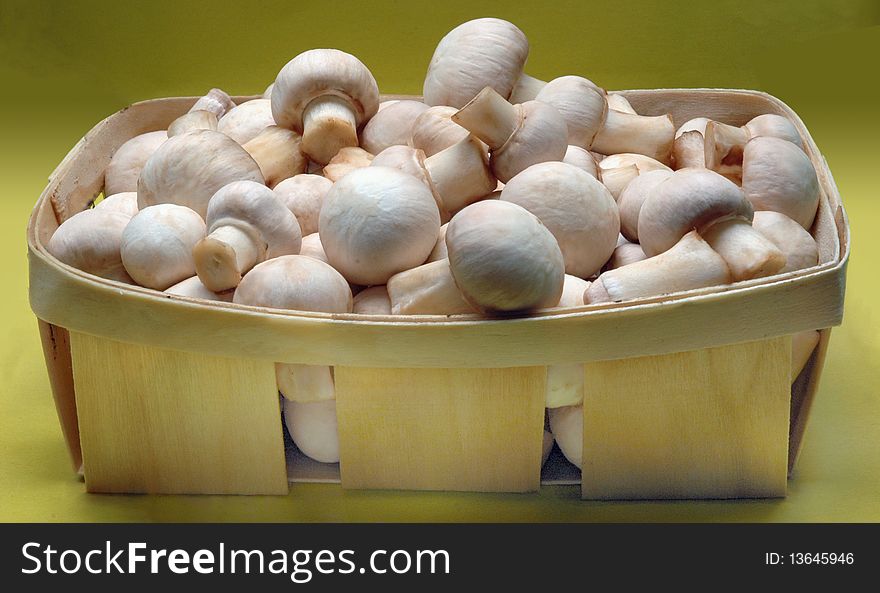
point(642, 134)
point(747, 252)
point(329, 124)
point(279, 154)
point(193, 120)
point(222, 256)
point(691, 263)
point(526, 89)
point(489, 117)
point(215, 101)
point(428, 289)
point(305, 383)
point(689, 150)
point(724, 144)
point(460, 174)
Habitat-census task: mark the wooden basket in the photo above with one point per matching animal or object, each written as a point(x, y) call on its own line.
point(687, 396)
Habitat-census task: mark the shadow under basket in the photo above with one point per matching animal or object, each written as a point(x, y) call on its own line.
point(687, 395)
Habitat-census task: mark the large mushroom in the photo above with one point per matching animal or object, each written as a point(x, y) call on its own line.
point(618, 170)
point(325, 95)
point(247, 224)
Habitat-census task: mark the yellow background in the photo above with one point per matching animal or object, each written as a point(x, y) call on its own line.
point(64, 66)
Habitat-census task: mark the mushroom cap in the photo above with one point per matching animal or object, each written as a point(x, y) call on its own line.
point(129, 159)
point(320, 72)
point(633, 195)
point(582, 159)
point(376, 222)
point(193, 287)
point(778, 176)
point(542, 137)
point(124, 203)
point(434, 130)
point(257, 209)
point(575, 207)
point(581, 103)
point(391, 125)
point(303, 195)
point(567, 426)
point(503, 259)
point(798, 245)
point(689, 199)
point(90, 241)
point(245, 121)
point(188, 169)
point(372, 301)
point(312, 247)
point(313, 427)
point(295, 282)
point(776, 126)
point(476, 54)
point(157, 245)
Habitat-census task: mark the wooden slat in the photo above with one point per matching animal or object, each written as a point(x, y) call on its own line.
point(441, 429)
point(162, 421)
point(56, 351)
point(711, 423)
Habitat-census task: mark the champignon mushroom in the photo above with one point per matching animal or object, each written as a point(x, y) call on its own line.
point(689, 146)
point(633, 195)
point(345, 161)
point(214, 101)
point(193, 287)
point(279, 154)
point(617, 170)
point(526, 89)
point(518, 135)
point(376, 222)
point(325, 95)
point(312, 247)
point(565, 382)
point(799, 247)
point(125, 203)
point(503, 259)
point(372, 301)
point(439, 252)
point(575, 207)
point(313, 428)
point(619, 103)
point(245, 121)
point(188, 169)
point(299, 283)
point(434, 130)
point(129, 159)
point(690, 264)
point(704, 200)
point(303, 195)
point(476, 54)
point(567, 426)
point(775, 126)
point(642, 134)
point(580, 103)
point(90, 241)
point(582, 159)
point(157, 245)
point(428, 289)
point(392, 125)
point(724, 144)
point(193, 120)
point(779, 176)
point(247, 224)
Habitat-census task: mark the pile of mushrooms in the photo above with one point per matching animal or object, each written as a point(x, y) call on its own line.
point(498, 194)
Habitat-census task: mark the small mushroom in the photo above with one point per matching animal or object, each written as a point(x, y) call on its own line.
point(372, 301)
point(704, 200)
point(313, 428)
point(214, 101)
point(691, 263)
point(91, 241)
point(724, 144)
point(619, 103)
point(244, 122)
point(188, 169)
point(376, 222)
point(428, 289)
point(503, 259)
point(802, 346)
point(303, 195)
point(617, 170)
point(157, 245)
point(575, 207)
point(567, 426)
point(565, 382)
point(624, 254)
point(582, 159)
point(518, 135)
point(194, 120)
point(345, 161)
point(193, 287)
point(799, 247)
point(312, 247)
point(689, 146)
point(642, 134)
point(434, 130)
point(325, 95)
point(247, 224)
point(779, 176)
point(439, 252)
point(633, 195)
point(392, 125)
point(129, 159)
point(582, 105)
point(125, 203)
point(476, 54)
point(299, 283)
point(279, 154)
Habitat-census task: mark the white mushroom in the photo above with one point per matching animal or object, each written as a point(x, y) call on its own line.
point(312, 247)
point(526, 89)
point(376, 222)
point(619, 103)
point(582, 105)
point(245, 121)
point(325, 95)
point(689, 146)
point(193, 287)
point(125, 203)
point(157, 245)
point(439, 252)
point(582, 159)
point(624, 254)
point(90, 241)
point(372, 301)
point(279, 154)
point(642, 134)
point(633, 195)
point(428, 289)
point(303, 195)
point(247, 224)
point(193, 120)
point(799, 247)
point(391, 126)
point(127, 162)
point(313, 428)
point(725, 143)
point(434, 130)
point(214, 101)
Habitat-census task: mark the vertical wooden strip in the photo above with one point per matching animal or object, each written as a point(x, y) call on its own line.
point(56, 351)
point(710, 423)
point(803, 391)
point(164, 421)
point(441, 429)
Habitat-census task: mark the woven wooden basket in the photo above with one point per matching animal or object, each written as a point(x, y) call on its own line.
point(687, 396)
